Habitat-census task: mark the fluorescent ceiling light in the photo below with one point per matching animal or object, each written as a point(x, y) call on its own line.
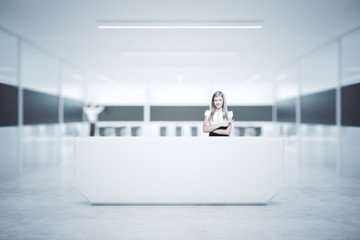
point(179, 54)
point(180, 24)
point(179, 27)
point(179, 69)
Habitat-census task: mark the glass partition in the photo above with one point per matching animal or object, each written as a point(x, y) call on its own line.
point(320, 70)
point(350, 135)
point(39, 70)
point(286, 94)
point(319, 73)
point(8, 58)
point(351, 58)
point(40, 75)
point(9, 131)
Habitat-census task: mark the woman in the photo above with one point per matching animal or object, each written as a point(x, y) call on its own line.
point(218, 119)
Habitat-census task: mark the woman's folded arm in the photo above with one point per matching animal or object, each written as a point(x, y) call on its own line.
point(225, 132)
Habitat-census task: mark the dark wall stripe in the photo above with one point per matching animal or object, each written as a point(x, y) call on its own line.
point(350, 105)
point(252, 113)
point(177, 113)
point(319, 108)
point(196, 113)
point(73, 110)
point(40, 107)
point(122, 113)
point(8, 105)
point(286, 110)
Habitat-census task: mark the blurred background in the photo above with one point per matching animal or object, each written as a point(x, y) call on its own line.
point(296, 76)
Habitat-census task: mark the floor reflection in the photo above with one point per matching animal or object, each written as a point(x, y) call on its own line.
point(315, 203)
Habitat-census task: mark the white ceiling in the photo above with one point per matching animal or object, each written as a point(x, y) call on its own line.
point(69, 29)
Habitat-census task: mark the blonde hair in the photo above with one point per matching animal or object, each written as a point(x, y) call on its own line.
point(224, 107)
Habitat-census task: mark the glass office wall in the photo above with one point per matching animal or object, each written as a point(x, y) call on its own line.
point(71, 109)
point(286, 97)
point(324, 89)
point(9, 105)
point(36, 94)
point(40, 89)
point(286, 114)
point(350, 99)
point(319, 73)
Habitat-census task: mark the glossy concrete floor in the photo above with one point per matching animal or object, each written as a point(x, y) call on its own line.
point(314, 204)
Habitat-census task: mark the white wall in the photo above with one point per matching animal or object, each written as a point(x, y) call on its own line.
point(179, 90)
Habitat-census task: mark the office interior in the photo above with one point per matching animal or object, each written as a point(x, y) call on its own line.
point(298, 77)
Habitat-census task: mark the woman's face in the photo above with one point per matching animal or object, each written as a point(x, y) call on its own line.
point(218, 102)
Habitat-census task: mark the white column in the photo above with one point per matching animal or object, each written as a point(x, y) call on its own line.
point(61, 111)
point(298, 110)
point(338, 109)
point(146, 130)
point(20, 109)
point(274, 112)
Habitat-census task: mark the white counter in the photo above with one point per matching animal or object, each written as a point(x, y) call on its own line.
point(179, 170)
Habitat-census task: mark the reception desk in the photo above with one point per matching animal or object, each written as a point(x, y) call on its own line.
point(179, 170)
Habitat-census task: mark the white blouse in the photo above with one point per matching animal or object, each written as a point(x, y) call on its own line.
point(217, 117)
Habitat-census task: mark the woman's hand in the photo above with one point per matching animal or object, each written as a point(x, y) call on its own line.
point(225, 123)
